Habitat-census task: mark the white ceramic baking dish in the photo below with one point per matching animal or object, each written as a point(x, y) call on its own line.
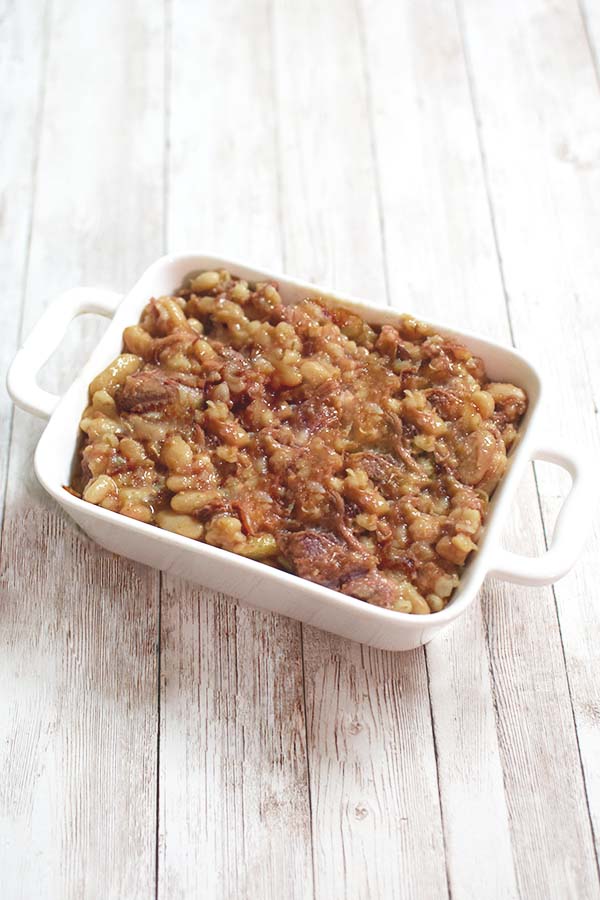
point(252, 582)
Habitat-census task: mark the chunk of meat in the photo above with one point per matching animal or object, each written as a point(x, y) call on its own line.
point(378, 466)
point(322, 557)
point(388, 341)
point(314, 415)
point(374, 588)
point(447, 403)
point(395, 557)
point(257, 511)
point(147, 390)
point(510, 401)
point(482, 460)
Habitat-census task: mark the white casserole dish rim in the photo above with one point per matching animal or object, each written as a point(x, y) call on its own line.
point(490, 557)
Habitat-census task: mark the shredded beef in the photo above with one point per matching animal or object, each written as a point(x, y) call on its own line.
point(146, 391)
point(322, 557)
point(372, 587)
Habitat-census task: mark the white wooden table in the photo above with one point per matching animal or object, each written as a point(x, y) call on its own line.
point(157, 739)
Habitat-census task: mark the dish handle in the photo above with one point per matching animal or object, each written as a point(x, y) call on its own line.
point(570, 532)
point(47, 334)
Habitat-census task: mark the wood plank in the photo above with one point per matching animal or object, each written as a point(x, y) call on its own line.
point(23, 47)
point(442, 257)
point(77, 664)
point(232, 751)
point(234, 808)
point(590, 14)
point(541, 130)
point(78, 627)
point(374, 789)
point(441, 261)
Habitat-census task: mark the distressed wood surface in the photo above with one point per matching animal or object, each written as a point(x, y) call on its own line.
point(441, 257)
point(160, 740)
point(547, 808)
point(233, 764)
point(24, 44)
point(78, 628)
point(373, 775)
point(548, 244)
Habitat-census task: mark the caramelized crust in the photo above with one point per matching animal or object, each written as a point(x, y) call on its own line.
point(357, 456)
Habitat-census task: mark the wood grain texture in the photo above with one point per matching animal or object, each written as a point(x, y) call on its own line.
point(439, 274)
point(550, 104)
point(78, 627)
point(23, 51)
point(444, 157)
point(233, 811)
point(441, 260)
point(232, 745)
point(590, 20)
point(374, 788)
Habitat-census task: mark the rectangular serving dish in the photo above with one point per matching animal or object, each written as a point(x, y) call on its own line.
point(252, 582)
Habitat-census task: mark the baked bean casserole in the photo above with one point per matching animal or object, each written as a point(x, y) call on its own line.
point(361, 457)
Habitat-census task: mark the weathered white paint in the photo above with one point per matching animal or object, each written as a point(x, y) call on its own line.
point(234, 810)
point(78, 628)
point(374, 791)
point(24, 32)
point(441, 260)
point(543, 131)
point(442, 157)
